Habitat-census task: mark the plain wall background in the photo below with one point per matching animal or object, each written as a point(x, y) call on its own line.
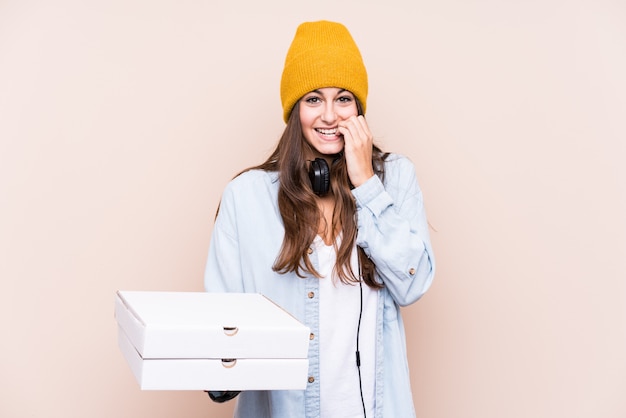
point(121, 122)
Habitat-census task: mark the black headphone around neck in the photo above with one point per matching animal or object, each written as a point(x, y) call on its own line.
point(319, 174)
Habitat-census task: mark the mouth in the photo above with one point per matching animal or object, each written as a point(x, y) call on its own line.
point(328, 133)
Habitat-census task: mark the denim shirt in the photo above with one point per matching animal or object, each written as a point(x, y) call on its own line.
point(393, 231)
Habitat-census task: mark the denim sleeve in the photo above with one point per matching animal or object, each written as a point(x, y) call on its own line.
point(223, 268)
point(393, 230)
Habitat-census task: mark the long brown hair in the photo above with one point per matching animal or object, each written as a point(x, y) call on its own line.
point(300, 213)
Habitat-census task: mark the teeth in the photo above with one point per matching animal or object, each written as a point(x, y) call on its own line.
point(327, 131)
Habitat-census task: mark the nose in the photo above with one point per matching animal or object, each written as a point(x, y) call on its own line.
point(328, 113)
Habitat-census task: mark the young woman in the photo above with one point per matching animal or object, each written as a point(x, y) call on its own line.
point(333, 230)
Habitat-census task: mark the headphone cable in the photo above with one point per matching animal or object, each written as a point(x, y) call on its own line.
point(358, 354)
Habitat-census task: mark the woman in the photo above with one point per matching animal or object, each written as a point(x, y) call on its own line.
point(333, 230)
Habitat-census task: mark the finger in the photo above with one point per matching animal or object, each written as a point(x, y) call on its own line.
point(360, 128)
point(364, 126)
point(357, 130)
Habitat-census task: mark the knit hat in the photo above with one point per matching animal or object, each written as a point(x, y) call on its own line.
point(322, 54)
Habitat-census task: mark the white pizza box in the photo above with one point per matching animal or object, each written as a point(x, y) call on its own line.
point(211, 341)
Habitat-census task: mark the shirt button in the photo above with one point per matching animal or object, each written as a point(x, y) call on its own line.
point(411, 271)
point(311, 295)
point(311, 336)
point(310, 250)
point(311, 379)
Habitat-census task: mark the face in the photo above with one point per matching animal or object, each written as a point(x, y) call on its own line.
point(321, 111)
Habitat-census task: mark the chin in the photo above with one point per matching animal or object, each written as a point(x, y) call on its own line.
point(330, 150)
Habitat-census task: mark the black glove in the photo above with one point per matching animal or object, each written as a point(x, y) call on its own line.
point(222, 396)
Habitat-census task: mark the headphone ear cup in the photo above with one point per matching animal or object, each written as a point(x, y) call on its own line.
point(319, 174)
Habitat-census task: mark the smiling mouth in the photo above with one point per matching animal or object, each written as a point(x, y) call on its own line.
point(328, 132)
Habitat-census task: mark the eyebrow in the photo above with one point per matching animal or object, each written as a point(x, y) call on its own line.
point(319, 92)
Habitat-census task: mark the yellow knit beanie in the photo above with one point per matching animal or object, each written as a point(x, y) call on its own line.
point(322, 54)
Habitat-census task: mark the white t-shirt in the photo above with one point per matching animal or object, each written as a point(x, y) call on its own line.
point(340, 395)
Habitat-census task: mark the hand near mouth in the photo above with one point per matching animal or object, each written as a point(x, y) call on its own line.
point(357, 148)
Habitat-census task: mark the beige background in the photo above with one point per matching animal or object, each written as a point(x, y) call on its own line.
point(121, 122)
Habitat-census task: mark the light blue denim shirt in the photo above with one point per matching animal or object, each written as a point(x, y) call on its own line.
point(393, 231)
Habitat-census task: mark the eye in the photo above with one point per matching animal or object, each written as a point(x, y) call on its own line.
point(347, 98)
point(312, 99)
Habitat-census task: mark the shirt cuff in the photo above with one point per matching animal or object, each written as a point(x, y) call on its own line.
point(372, 195)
